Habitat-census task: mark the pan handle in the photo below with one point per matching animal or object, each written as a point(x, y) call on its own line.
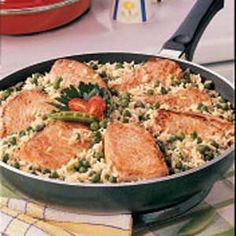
point(185, 39)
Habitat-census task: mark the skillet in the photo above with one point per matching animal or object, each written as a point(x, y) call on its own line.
point(141, 196)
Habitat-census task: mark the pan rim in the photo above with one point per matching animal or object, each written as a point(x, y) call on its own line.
point(229, 151)
point(31, 10)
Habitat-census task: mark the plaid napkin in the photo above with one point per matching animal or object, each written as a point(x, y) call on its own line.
point(23, 217)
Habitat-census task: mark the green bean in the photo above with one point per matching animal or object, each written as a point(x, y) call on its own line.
point(57, 82)
point(72, 116)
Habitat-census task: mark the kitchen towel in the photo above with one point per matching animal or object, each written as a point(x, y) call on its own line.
point(22, 217)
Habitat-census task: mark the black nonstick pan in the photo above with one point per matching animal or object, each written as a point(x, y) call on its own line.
point(141, 196)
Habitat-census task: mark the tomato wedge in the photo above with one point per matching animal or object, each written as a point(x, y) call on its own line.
point(95, 106)
point(77, 104)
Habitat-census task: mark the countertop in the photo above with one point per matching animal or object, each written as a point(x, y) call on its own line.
point(96, 32)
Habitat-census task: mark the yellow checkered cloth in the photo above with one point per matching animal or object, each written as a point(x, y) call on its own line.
point(22, 217)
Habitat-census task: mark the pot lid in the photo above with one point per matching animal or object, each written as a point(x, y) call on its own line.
point(19, 4)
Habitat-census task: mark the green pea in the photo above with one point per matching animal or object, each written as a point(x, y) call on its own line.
point(6, 93)
point(46, 171)
point(17, 165)
point(103, 124)
point(179, 165)
point(202, 149)
point(124, 102)
point(150, 92)
point(199, 140)
point(125, 119)
point(39, 127)
point(194, 135)
point(22, 133)
point(208, 155)
point(127, 113)
point(82, 169)
point(103, 74)
point(57, 82)
point(161, 146)
point(208, 84)
point(119, 65)
point(5, 157)
point(98, 155)
point(180, 136)
point(94, 126)
point(164, 91)
point(95, 177)
point(112, 179)
point(223, 106)
point(155, 105)
point(12, 141)
point(156, 83)
point(171, 139)
point(167, 160)
point(94, 66)
point(114, 92)
point(215, 144)
point(54, 175)
point(186, 77)
point(139, 104)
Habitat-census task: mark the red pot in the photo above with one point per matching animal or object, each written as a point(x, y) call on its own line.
point(31, 16)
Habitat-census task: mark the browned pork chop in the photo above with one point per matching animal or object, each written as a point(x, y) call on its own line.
point(73, 72)
point(131, 150)
point(154, 69)
point(52, 147)
point(21, 110)
point(181, 99)
point(207, 126)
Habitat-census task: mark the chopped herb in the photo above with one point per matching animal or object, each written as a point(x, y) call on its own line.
point(54, 175)
point(17, 165)
point(215, 144)
point(180, 136)
point(94, 66)
point(150, 92)
point(208, 84)
point(12, 141)
point(98, 155)
point(156, 83)
point(194, 135)
point(139, 104)
point(39, 127)
point(96, 137)
point(164, 91)
point(94, 177)
point(161, 146)
point(203, 149)
point(127, 113)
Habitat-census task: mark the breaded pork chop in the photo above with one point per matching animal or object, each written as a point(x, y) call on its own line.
point(207, 126)
point(181, 99)
point(154, 69)
point(73, 72)
point(21, 110)
point(132, 152)
point(52, 147)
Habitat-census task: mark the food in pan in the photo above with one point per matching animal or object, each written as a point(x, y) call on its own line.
point(113, 122)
